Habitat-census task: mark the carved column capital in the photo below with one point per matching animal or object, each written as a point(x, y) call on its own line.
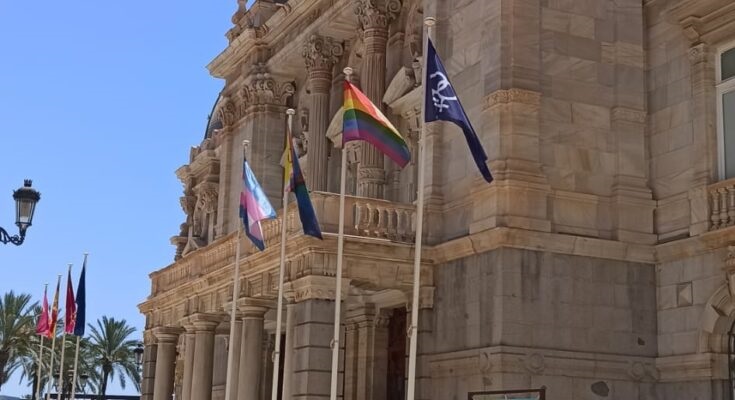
point(166, 334)
point(377, 14)
point(321, 53)
point(228, 112)
point(698, 53)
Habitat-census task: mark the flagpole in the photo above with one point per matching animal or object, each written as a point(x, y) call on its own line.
point(53, 348)
point(340, 254)
point(76, 353)
point(281, 271)
point(233, 310)
point(40, 360)
point(411, 392)
point(63, 343)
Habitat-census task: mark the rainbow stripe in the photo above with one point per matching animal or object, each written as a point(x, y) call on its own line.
point(363, 121)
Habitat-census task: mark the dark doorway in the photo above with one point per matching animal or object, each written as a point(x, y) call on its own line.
point(396, 382)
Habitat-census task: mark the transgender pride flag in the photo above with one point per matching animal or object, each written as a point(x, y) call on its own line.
point(254, 207)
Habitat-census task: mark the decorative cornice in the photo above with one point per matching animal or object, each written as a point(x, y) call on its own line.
point(377, 14)
point(321, 53)
point(262, 89)
point(514, 95)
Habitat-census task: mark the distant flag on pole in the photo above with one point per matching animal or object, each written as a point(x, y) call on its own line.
point(42, 327)
point(70, 311)
point(364, 121)
point(442, 104)
point(81, 303)
point(293, 181)
point(254, 207)
point(54, 314)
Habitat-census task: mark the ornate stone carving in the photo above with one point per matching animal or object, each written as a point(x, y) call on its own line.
point(535, 363)
point(321, 53)
point(505, 96)
point(261, 89)
point(698, 53)
point(228, 112)
point(377, 14)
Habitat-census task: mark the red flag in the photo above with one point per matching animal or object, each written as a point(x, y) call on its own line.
point(42, 326)
point(70, 318)
point(54, 313)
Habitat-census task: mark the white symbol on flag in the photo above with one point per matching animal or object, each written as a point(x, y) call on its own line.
point(440, 100)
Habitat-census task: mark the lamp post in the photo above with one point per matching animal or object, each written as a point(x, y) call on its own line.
point(25, 205)
point(138, 351)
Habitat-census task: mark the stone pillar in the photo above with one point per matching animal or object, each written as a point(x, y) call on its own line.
point(313, 325)
point(234, 372)
point(253, 311)
point(219, 369)
point(374, 17)
point(288, 352)
point(366, 357)
point(425, 343)
point(204, 325)
point(149, 366)
point(163, 386)
point(320, 55)
point(189, 345)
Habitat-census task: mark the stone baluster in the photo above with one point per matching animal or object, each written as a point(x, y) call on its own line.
point(715, 214)
point(723, 206)
point(320, 55)
point(163, 386)
point(731, 204)
point(374, 17)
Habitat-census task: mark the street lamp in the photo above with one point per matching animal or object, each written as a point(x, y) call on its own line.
point(25, 205)
point(138, 354)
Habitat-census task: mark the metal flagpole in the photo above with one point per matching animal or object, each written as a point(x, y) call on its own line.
point(282, 270)
point(411, 392)
point(63, 344)
point(340, 253)
point(40, 360)
point(235, 294)
point(53, 348)
point(76, 354)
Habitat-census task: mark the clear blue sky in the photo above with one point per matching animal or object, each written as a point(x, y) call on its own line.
point(99, 104)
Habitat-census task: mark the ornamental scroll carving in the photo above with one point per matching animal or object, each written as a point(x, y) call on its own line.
point(262, 89)
point(377, 14)
point(321, 53)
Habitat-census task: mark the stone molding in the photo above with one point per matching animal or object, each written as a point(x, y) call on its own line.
point(166, 334)
point(513, 95)
point(522, 360)
point(321, 53)
point(314, 287)
point(377, 14)
point(253, 308)
point(205, 322)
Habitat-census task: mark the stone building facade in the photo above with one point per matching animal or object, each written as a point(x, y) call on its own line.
point(598, 264)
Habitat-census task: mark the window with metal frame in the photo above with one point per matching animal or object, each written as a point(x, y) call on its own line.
point(725, 68)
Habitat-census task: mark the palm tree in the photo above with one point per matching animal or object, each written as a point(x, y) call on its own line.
point(16, 330)
point(112, 350)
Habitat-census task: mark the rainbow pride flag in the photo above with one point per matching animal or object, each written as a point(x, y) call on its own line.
point(364, 121)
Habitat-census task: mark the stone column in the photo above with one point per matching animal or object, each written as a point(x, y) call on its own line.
point(288, 352)
point(320, 55)
point(204, 325)
point(219, 369)
point(374, 17)
point(235, 342)
point(149, 366)
point(366, 352)
point(189, 345)
point(253, 311)
point(163, 386)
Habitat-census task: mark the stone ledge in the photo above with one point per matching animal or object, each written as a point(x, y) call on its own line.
point(703, 366)
point(525, 360)
point(489, 240)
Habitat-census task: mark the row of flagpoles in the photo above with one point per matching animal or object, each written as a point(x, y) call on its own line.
point(74, 324)
point(362, 121)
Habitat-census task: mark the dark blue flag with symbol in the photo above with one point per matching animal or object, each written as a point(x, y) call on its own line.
point(442, 104)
